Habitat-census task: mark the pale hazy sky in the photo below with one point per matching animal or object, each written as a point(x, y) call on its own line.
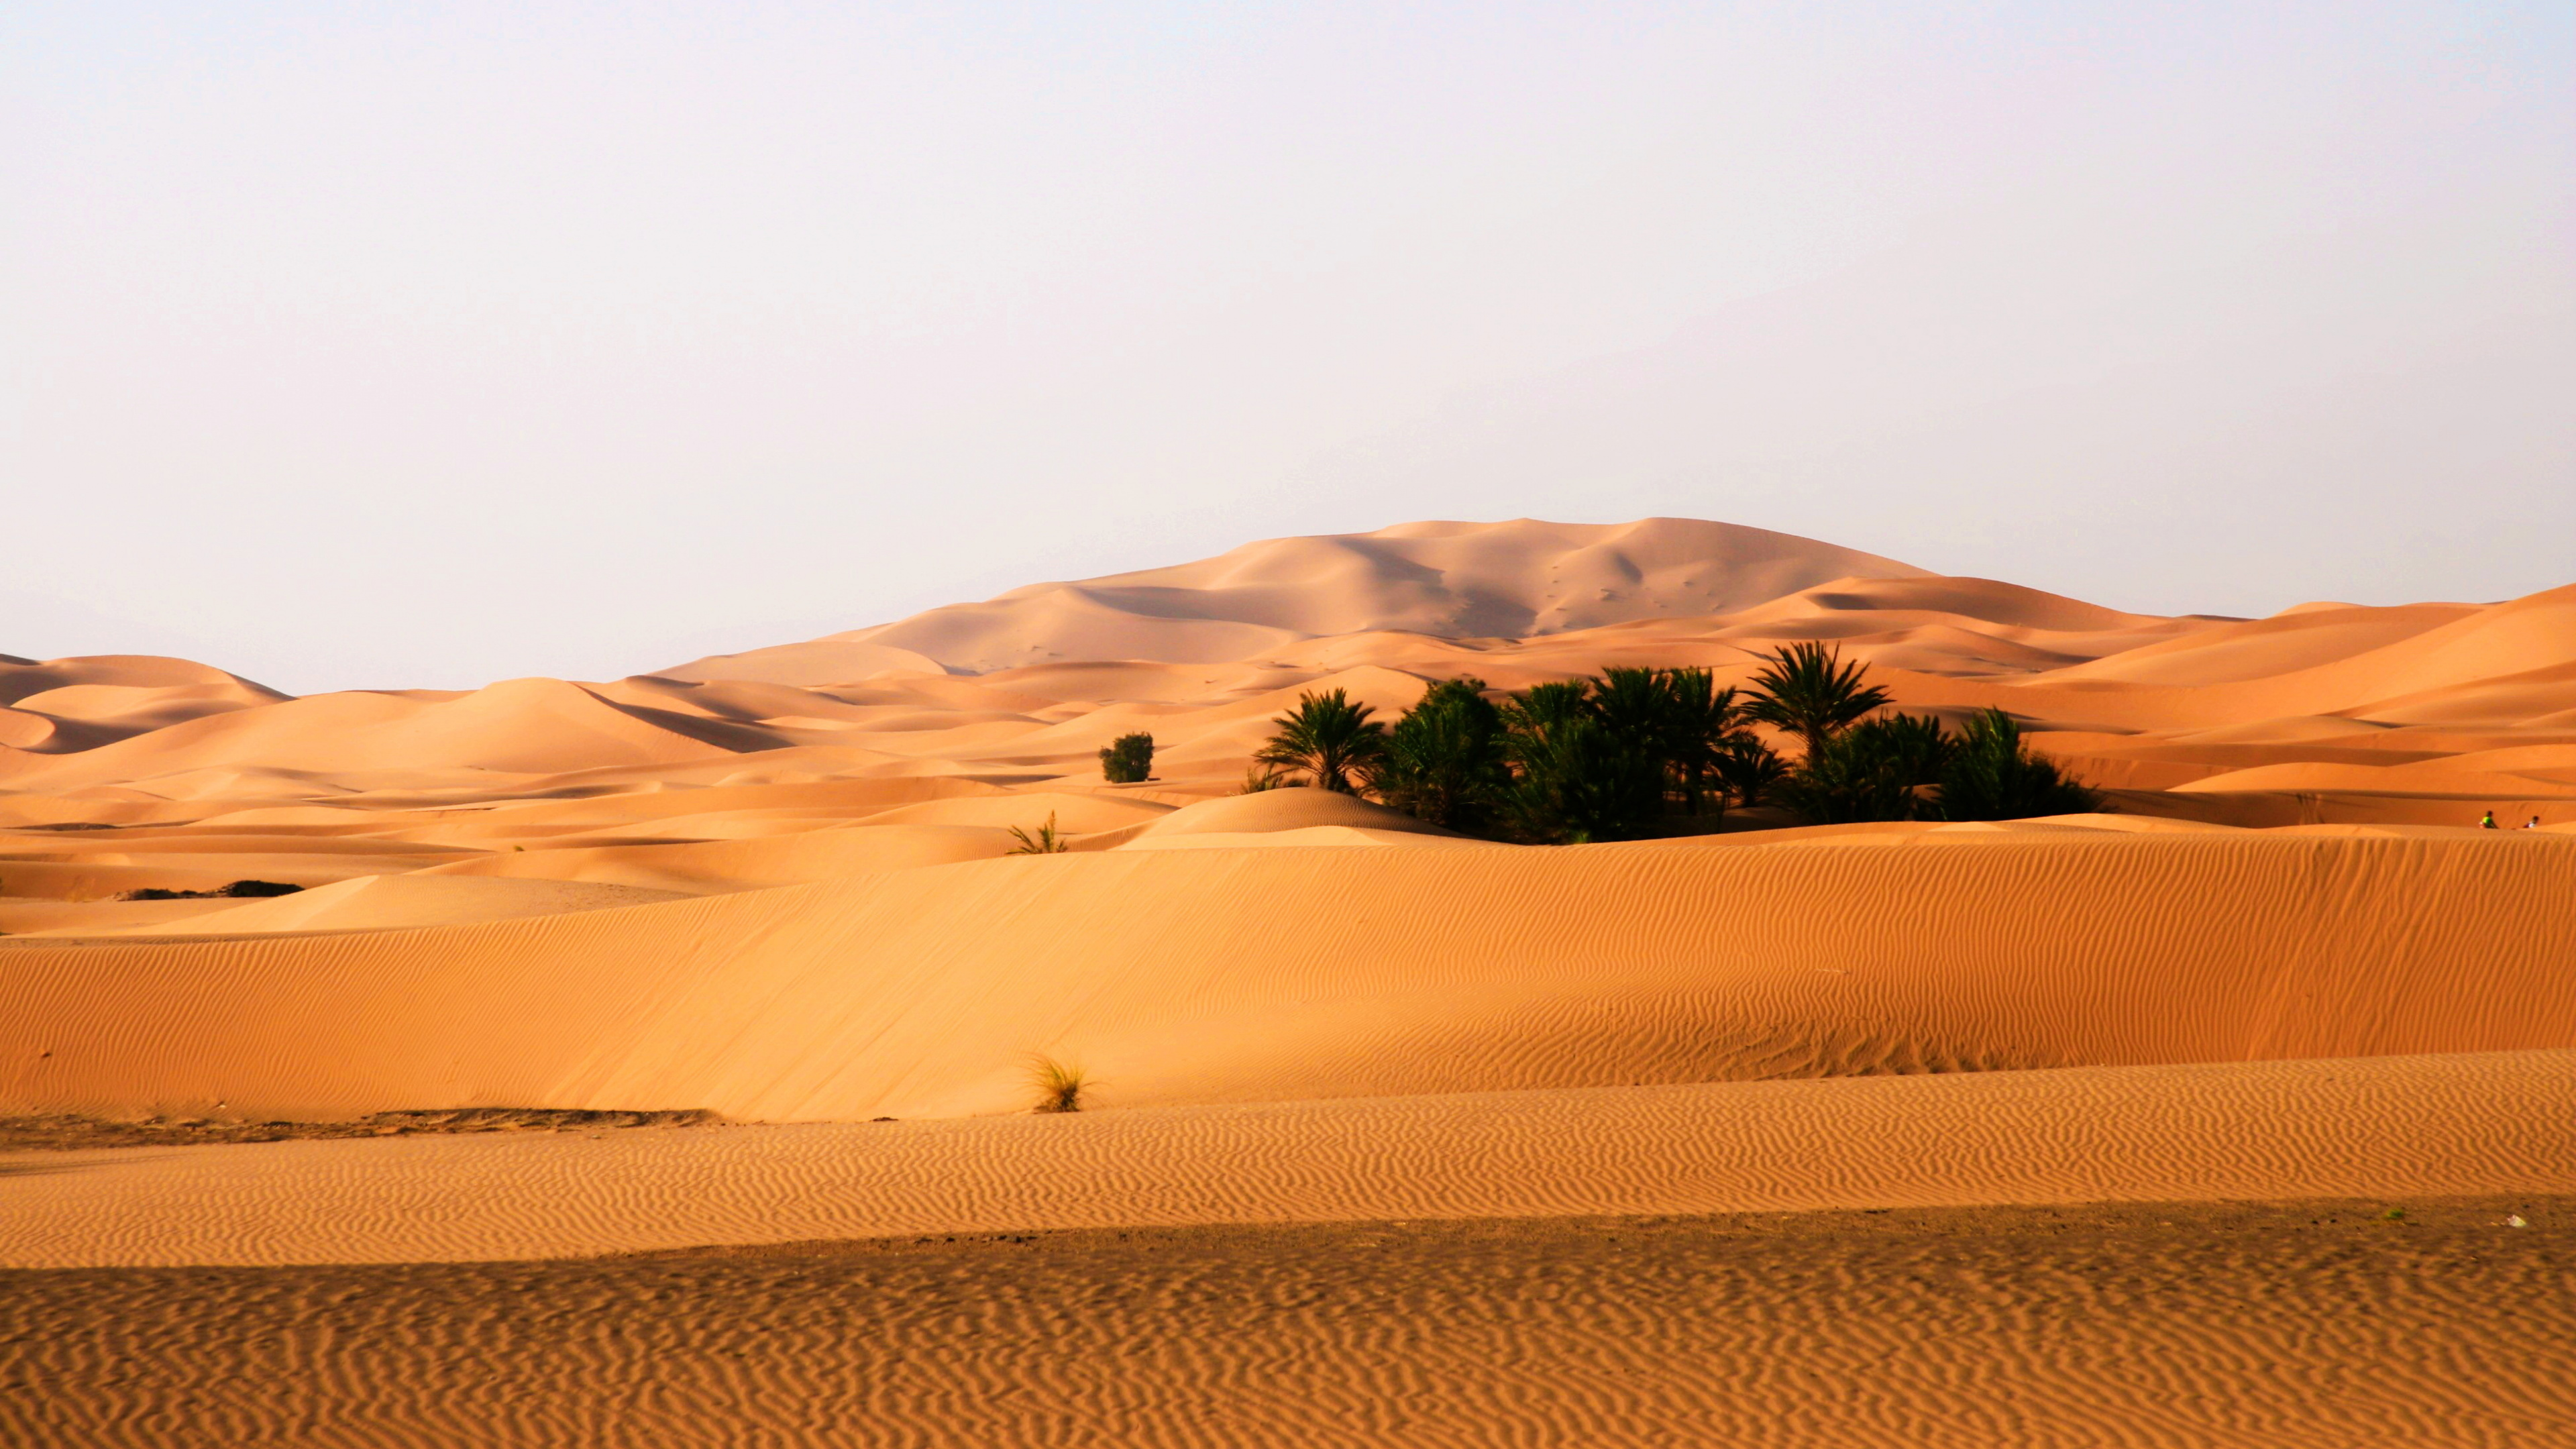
point(392, 345)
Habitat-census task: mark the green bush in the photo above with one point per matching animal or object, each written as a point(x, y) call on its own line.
point(1129, 760)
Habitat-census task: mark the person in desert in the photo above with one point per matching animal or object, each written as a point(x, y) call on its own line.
point(2489, 822)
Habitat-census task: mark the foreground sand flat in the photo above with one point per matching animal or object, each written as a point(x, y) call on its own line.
point(2418, 1126)
point(2295, 1326)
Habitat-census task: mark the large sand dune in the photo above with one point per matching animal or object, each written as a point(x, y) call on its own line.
point(1265, 974)
point(1460, 580)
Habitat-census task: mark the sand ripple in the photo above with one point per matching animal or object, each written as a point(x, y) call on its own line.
point(2267, 1328)
point(2503, 1122)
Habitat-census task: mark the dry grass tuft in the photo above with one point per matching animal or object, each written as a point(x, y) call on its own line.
point(1048, 840)
point(1060, 1086)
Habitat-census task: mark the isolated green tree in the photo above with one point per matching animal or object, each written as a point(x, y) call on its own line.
point(1128, 760)
point(1328, 740)
point(1994, 776)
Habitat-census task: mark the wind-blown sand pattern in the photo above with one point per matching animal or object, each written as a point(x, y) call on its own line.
point(2313, 1326)
point(1388, 1135)
point(2421, 1126)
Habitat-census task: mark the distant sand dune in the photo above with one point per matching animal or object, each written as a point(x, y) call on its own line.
point(1508, 579)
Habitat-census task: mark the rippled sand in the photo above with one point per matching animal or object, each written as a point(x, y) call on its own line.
point(2267, 1327)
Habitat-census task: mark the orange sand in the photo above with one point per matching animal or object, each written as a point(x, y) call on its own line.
point(1257, 974)
point(773, 884)
point(2401, 1127)
point(2302, 1326)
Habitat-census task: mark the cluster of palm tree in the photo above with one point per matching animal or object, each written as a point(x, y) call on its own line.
point(1622, 753)
point(1858, 764)
point(1601, 758)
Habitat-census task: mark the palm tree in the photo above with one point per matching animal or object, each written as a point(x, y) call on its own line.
point(1703, 722)
point(1048, 840)
point(1444, 759)
point(1870, 771)
point(1679, 716)
point(1587, 758)
point(1994, 776)
point(1328, 739)
point(1807, 690)
point(1581, 782)
point(1749, 769)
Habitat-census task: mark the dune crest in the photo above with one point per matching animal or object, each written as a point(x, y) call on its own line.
point(1462, 580)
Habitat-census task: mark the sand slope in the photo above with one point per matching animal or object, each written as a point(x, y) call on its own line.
point(1460, 579)
point(1232, 975)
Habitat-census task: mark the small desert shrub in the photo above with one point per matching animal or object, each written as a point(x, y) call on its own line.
point(1257, 778)
point(1059, 1085)
point(1047, 841)
point(1129, 759)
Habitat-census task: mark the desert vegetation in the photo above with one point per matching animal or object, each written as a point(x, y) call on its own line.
point(1128, 760)
point(1633, 751)
point(1045, 840)
point(1060, 1085)
point(1327, 742)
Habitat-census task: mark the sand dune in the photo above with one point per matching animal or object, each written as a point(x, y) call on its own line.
point(1273, 811)
point(530, 726)
point(709, 867)
point(1171, 977)
point(1459, 579)
point(383, 902)
point(77, 704)
point(1203, 654)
